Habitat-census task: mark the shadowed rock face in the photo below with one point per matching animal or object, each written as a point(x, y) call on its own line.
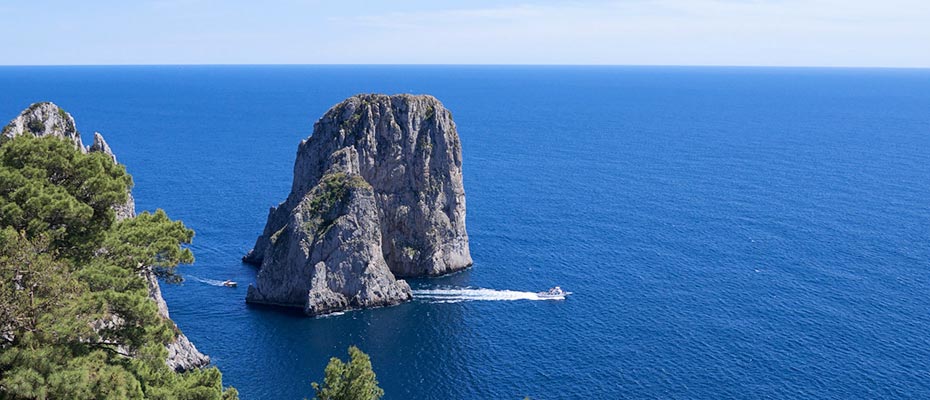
point(407, 150)
point(47, 119)
point(328, 257)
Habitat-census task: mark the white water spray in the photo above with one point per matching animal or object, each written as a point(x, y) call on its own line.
point(212, 282)
point(456, 295)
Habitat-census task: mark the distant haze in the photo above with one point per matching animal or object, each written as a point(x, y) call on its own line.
point(891, 33)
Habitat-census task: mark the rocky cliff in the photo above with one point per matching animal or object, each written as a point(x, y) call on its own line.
point(47, 119)
point(400, 212)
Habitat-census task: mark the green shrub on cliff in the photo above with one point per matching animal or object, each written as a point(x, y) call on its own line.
point(354, 380)
point(76, 321)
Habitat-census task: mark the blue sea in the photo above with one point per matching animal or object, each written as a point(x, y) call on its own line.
point(745, 233)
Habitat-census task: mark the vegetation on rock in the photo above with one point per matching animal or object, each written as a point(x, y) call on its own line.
point(332, 191)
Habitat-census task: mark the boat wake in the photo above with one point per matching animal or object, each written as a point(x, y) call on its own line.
point(456, 295)
point(212, 282)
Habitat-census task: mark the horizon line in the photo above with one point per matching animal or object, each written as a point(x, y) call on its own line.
point(475, 65)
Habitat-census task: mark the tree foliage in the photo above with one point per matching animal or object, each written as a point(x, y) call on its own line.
point(150, 241)
point(49, 188)
point(354, 380)
point(76, 319)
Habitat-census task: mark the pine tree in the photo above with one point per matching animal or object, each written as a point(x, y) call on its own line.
point(76, 321)
point(49, 188)
point(354, 380)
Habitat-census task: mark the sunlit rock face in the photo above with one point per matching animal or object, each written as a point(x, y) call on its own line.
point(403, 158)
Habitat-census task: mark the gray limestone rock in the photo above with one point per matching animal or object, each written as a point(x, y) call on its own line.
point(328, 256)
point(377, 193)
point(100, 146)
point(182, 354)
point(43, 119)
point(407, 148)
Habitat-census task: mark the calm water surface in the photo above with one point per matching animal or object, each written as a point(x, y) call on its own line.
point(728, 232)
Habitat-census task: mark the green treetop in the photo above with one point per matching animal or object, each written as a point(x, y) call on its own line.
point(354, 380)
point(76, 319)
point(49, 188)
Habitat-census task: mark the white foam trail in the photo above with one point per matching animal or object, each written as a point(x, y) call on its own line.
point(213, 282)
point(455, 295)
point(335, 314)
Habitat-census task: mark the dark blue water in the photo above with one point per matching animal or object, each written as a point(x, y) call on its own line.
point(728, 233)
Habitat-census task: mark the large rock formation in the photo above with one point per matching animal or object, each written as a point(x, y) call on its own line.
point(47, 119)
point(400, 210)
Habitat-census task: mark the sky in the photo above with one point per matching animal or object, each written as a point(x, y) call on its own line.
point(864, 33)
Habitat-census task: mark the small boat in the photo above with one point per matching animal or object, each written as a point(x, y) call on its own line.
point(555, 293)
point(229, 283)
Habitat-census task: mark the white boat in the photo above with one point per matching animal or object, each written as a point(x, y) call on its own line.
point(229, 283)
point(555, 293)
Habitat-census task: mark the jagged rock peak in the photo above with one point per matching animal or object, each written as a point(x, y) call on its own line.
point(100, 146)
point(409, 151)
point(377, 194)
point(182, 354)
point(44, 119)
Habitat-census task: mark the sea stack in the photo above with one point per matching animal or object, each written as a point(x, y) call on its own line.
point(47, 119)
point(377, 195)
